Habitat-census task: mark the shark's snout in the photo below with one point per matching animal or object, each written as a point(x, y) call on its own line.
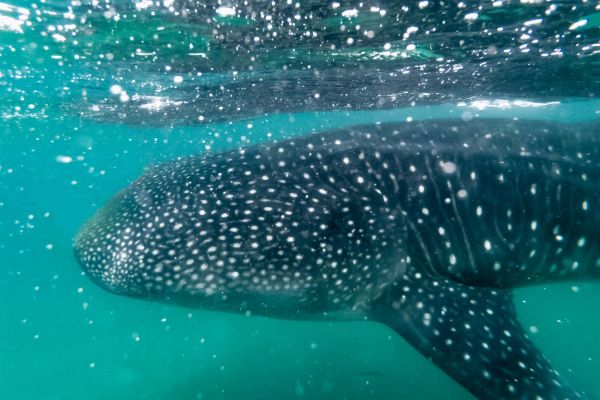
point(103, 248)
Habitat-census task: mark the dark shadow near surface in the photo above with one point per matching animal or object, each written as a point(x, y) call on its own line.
point(334, 88)
point(191, 62)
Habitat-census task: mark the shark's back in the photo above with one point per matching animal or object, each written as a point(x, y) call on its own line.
point(500, 203)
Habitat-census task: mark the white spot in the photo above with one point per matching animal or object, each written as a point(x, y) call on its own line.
point(350, 13)
point(533, 329)
point(225, 11)
point(448, 167)
point(579, 24)
point(471, 16)
point(531, 22)
point(116, 89)
point(533, 225)
point(64, 159)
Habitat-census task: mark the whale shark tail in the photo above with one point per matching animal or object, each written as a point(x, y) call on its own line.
point(472, 334)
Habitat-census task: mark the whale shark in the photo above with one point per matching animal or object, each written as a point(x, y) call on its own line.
point(425, 226)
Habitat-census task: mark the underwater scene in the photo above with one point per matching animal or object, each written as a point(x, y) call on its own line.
point(299, 199)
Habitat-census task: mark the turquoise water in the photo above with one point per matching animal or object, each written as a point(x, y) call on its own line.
point(62, 337)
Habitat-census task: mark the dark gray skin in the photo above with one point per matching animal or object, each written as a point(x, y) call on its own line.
point(425, 227)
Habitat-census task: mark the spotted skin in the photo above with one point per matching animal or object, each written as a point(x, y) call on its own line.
point(425, 227)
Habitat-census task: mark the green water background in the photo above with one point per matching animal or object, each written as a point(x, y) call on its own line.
point(61, 337)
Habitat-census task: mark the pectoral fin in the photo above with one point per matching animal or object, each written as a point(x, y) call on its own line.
point(471, 333)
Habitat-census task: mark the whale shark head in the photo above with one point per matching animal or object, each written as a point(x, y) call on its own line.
point(242, 229)
point(103, 246)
